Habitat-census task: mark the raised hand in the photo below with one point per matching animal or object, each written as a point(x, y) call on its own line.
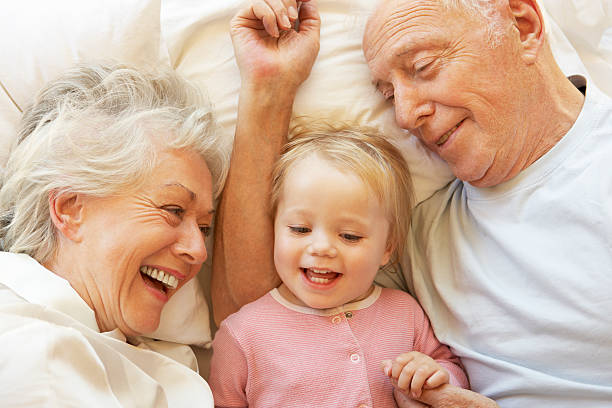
point(268, 49)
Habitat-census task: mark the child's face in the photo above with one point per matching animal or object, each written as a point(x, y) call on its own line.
point(330, 235)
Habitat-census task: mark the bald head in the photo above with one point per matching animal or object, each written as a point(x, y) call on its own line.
point(392, 13)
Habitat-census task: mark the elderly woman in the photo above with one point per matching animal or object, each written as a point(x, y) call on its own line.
point(104, 207)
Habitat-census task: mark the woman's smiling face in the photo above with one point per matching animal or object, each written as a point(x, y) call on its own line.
point(131, 241)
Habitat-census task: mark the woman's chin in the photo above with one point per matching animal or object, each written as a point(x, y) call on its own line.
point(141, 325)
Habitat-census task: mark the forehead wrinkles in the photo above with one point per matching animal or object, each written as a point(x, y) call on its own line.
point(404, 18)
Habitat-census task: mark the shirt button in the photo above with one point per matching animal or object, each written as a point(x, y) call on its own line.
point(336, 320)
point(355, 358)
point(348, 315)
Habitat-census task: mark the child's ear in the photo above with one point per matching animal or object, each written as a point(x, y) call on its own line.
point(388, 253)
point(66, 210)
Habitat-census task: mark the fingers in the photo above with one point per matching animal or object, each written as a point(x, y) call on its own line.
point(309, 17)
point(386, 366)
point(263, 12)
point(437, 379)
point(410, 372)
point(419, 377)
point(276, 15)
point(400, 362)
point(406, 402)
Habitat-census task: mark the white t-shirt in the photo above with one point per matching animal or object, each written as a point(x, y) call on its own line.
point(517, 278)
point(53, 355)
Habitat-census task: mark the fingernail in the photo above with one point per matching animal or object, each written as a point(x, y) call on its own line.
point(293, 14)
point(285, 21)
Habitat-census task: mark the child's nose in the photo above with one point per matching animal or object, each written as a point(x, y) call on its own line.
point(322, 245)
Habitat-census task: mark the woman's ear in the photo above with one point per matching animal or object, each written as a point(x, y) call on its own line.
point(529, 22)
point(66, 211)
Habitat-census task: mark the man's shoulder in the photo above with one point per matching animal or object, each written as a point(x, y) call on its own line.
point(427, 213)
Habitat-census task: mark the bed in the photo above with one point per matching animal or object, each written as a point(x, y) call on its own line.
point(40, 39)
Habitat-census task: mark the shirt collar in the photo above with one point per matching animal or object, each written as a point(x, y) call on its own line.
point(38, 285)
point(585, 123)
point(360, 304)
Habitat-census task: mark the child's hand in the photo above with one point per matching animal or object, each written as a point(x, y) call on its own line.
point(412, 372)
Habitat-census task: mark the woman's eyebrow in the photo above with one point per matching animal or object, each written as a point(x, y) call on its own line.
point(192, 195)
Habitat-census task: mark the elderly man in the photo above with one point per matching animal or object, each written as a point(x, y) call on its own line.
point(511, 261)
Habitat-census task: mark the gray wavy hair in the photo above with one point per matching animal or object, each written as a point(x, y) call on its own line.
point(97, 130)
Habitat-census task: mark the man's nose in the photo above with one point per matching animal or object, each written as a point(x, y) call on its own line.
point(412, 108)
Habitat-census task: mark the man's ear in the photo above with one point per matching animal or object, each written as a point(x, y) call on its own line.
point(66, 211)
point(530, 25)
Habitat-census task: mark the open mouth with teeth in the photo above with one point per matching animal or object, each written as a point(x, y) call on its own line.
point(157, 279)
point(448, 134)
point(320, 276)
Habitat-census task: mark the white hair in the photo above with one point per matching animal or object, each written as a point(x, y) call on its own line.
point(97, 130)
point(487, 10)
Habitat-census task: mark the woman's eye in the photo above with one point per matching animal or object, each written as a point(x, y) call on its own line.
point(351, 237)
point(206, 230)
point(299, 230)
point(175, 210)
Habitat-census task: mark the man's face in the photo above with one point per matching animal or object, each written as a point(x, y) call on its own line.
point(458, 94)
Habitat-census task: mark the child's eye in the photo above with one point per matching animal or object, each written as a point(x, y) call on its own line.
point(175, 210)
point(206, 230)
point(299, 229)
point(351, 237)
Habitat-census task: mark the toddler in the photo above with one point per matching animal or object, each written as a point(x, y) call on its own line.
point(341, 204)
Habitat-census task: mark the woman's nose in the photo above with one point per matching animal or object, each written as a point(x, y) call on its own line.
point(190, 246)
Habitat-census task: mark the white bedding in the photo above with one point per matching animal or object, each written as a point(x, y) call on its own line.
point(38, 39)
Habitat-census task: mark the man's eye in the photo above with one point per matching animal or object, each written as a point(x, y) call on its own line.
point(299, 230)
point(424, 65)
point(206, 230)
point(351, 237)
point(175, 210)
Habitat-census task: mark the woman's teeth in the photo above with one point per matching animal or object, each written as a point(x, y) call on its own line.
point(168, 280)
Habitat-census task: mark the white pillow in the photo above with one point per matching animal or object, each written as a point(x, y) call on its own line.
point(588, 26)
point(339, 86)
point(38, 40)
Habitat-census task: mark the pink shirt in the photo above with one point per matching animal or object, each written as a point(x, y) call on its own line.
point(273, 353)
